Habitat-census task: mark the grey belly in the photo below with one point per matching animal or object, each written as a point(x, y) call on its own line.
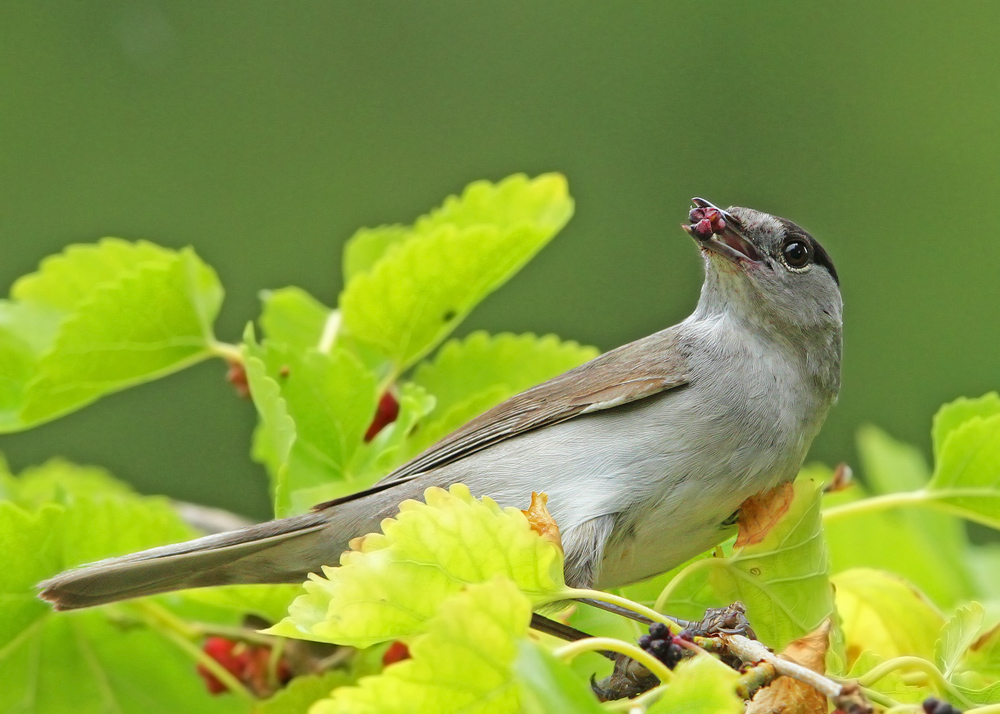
point(664, 473)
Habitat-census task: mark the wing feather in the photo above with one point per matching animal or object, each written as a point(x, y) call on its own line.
point(631, 372)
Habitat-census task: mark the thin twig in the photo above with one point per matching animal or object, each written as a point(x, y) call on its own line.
point(751, 651)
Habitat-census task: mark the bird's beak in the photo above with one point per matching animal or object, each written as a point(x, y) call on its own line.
point(719, 232)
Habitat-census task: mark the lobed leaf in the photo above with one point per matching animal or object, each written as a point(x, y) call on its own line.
point(389, 585)
point(957, 636)
point(454, 258)
point(314, 408)
point(464, 662)
point(303, 691)
point(783, 580)
point(369, 245)
point(967, 477)
point(547, 685)
point(294, 318)
point(952, 415)
point(97, 319)
point(65, 280)
point(93, 661)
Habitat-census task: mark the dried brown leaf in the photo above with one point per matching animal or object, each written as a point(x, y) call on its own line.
point(790, 696)
point(541, 520)
point(759, 514)
point(843, 479)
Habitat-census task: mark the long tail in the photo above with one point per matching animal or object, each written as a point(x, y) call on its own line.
point(283, 551)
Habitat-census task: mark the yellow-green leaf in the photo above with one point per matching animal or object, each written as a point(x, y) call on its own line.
point(454, 258)
point(463, 664)
point(882, 613)
point(395, 581)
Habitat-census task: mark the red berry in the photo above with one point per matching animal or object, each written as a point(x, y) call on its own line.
point(248, 663)
point(397, 652)
point(221, 650)
point(237, 376)
point(385, 414)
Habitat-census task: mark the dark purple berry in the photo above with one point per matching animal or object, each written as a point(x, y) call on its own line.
point(932, 705)
point(644, 641)
point(659, 648)
point(658, 631)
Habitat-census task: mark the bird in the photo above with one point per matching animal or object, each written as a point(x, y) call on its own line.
point(645, 452)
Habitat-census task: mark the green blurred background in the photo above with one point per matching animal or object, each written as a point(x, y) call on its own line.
point(265, 133)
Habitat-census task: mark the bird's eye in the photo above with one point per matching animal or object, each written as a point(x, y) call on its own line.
point(796, 254)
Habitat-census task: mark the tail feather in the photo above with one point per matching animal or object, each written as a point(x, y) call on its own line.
point(283, 551)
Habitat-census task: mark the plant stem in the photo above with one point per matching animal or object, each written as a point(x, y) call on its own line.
point(593, 644)
point(583, 594)
point(875, 503)
point(228, 352)
point(751, 652)
point(178, 632)
point(919, 663)
point(671, 587)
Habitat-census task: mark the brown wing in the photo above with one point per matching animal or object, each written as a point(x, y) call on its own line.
point(634, 371)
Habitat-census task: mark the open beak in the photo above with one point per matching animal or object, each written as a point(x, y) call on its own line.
point(719, 231)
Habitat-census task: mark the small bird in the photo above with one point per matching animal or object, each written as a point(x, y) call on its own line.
point(645, 452)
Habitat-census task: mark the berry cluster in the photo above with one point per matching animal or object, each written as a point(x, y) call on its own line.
point(662, 645)
point(248, 663)
point(706, 221)
point(936, 706)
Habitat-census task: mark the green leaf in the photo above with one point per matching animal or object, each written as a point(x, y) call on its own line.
point(98, 318)
point(26, 330)
point(783, 579)
point(303, 691)
point(957, 636)
point(954, 414)
point(275, 433)
point(93, 661)
point(925, 547)
point(150, 322)
point(314, 409)
point(367, 246)
point(983, 654)
point(990, 694)
point(547, 685)
point(87, 663)
point(296, 319)
point(462, 664)
point(391, 584)
point(471, 375)
point(882, 613)
point(702, 685)
point(61, 482)
point(64, 281)
point(967, 478)
point(456, 257)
